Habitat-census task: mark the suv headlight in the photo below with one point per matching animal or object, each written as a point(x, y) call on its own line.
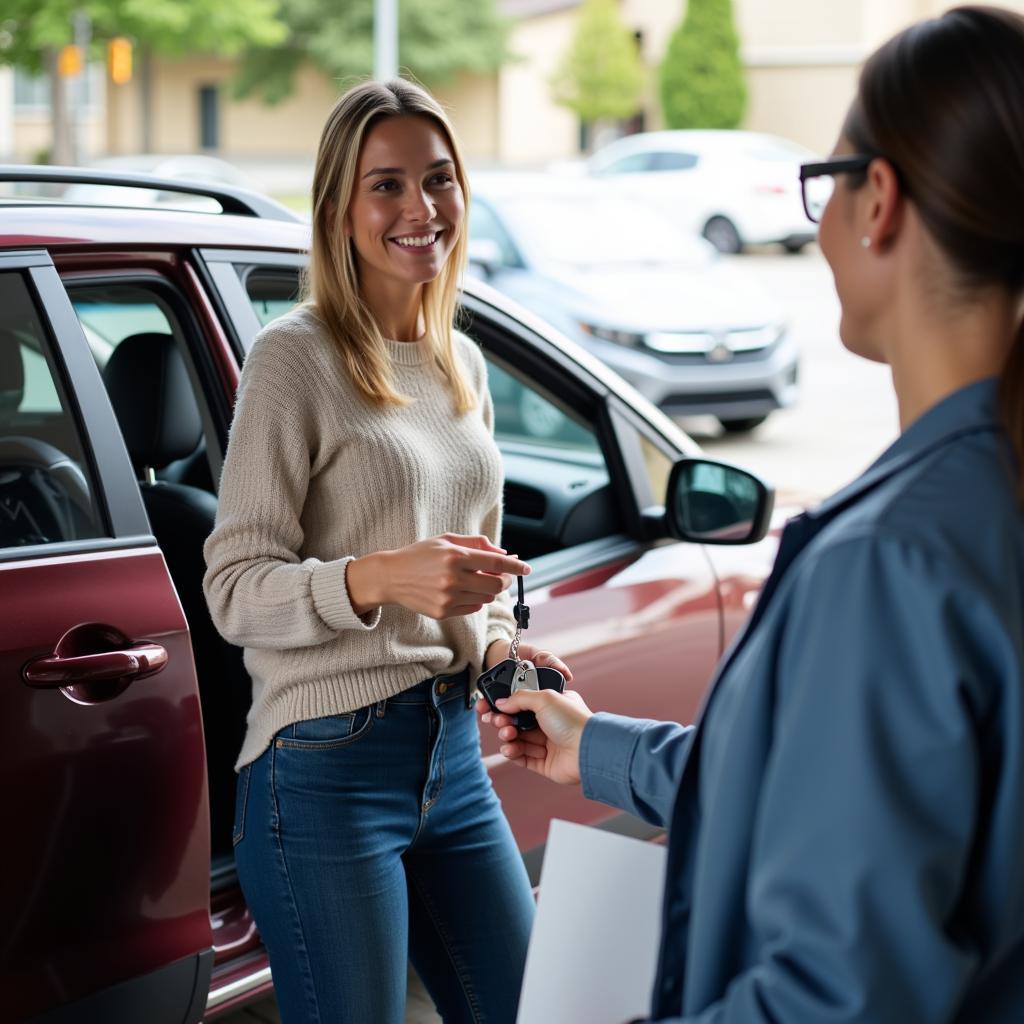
point(627, 338)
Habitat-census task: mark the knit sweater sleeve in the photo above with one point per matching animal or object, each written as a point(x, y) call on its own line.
point(501, 624)
point(259, 592)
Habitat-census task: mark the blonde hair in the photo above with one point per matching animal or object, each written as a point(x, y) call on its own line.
point(331, 283)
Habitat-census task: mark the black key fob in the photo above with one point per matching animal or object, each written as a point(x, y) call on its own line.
point(496, 684)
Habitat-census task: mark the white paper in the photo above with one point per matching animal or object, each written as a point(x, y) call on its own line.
point(594, 948)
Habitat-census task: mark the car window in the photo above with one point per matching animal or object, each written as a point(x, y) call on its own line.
point(115, 314)
point(522, 416)
point(483, 224)
point(558, 491)
point(110, 314)
point(47, 493)
point(673, 161)
point(635, 163)
point(272, 291)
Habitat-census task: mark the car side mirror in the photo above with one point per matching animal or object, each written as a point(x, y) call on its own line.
point(709, 502)
point(486, 254)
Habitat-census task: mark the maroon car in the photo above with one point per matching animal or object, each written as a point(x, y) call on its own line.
point(122, 332)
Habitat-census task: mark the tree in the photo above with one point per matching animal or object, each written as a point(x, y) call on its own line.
point(601, 76)
point(33, 31)
point(702, 83)
point(436, 40)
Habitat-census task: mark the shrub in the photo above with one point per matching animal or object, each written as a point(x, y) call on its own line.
point(702, 82)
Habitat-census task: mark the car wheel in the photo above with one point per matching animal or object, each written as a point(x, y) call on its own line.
point(742, 426)
point(793, 247)
point(722, 234)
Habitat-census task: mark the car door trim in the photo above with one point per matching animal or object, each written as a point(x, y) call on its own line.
point(557, 566)
point(220, 266)
point(144, 542)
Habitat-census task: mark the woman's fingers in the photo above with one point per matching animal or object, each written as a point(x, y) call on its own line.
point(492, 563)
point(549, 660)
point(476, 540)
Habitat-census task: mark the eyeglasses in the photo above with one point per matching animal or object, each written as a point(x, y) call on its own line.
point(817, 182)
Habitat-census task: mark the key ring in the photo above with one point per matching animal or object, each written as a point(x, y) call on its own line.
point(500, 680)
point(522, 616)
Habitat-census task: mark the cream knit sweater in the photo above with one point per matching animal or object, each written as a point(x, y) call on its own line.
point(315, 476)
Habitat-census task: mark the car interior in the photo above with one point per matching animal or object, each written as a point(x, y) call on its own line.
point(558, 491)
point(44, 493)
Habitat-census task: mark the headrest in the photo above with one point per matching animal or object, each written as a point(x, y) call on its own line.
point(153, 399)
point(12, 373)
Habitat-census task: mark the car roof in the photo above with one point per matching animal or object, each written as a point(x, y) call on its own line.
point(31, 215)
point(27, 224)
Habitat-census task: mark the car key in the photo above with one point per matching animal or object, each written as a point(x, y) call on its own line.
point(514, 673)
point(525, 677)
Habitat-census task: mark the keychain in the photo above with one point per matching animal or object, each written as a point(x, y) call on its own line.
point(515, 673)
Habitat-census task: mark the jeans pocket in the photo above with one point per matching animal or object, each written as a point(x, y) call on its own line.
point(241, 799)
point(328, 732)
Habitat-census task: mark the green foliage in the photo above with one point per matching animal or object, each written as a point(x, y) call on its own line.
point(28, 28)
point(702, 83)
point(601, 76)
point(436, 40)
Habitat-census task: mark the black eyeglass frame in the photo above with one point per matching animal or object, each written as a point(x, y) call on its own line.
point(840, 165)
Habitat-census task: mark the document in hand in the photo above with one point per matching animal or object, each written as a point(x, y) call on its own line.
point(594, 947)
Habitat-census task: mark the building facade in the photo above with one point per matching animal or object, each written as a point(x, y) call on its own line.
point(801, 59)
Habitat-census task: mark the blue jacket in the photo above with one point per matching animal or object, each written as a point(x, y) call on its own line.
point(846, 819)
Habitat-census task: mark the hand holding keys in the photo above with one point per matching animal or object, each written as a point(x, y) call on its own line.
point(514, 674)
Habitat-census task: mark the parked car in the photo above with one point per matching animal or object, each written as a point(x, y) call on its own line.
point(122, 334)
point(693, 334)
point(735, 188)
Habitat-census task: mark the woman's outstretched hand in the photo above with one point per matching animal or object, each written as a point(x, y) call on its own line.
point(553, 748)
point(440, 577)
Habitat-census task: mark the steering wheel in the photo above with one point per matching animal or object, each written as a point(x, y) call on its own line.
point(54, 479)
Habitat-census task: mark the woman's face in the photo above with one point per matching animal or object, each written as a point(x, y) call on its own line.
point(407, 206)
point(860, 292)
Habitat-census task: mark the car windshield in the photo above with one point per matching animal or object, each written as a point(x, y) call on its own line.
point(591, 230)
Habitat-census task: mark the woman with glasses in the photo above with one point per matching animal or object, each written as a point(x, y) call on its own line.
point(846, 818)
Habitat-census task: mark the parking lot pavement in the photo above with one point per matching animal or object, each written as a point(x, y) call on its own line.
point(419, 1009)
point(846, 414)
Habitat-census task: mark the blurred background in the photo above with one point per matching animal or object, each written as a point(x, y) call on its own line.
point(633, 162)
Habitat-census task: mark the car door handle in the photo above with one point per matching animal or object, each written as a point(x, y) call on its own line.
point(135, 662)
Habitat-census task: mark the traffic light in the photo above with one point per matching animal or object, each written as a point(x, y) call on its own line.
point(69, 61)
point(119, 60)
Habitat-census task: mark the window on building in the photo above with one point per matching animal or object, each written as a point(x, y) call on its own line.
point(33, 92)
point(209, 126)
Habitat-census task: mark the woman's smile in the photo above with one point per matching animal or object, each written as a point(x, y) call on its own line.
point(425, 242)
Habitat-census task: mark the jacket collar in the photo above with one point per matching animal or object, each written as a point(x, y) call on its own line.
point(969, 410)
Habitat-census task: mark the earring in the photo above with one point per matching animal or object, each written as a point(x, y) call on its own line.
point(866, 242)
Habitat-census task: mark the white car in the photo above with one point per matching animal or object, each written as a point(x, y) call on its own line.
point(733, 187)
point(693, 333)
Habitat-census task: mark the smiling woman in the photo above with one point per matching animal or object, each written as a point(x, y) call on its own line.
point(356, 558)
point(390, 166)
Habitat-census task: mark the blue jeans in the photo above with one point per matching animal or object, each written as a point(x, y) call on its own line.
point(366, 839)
